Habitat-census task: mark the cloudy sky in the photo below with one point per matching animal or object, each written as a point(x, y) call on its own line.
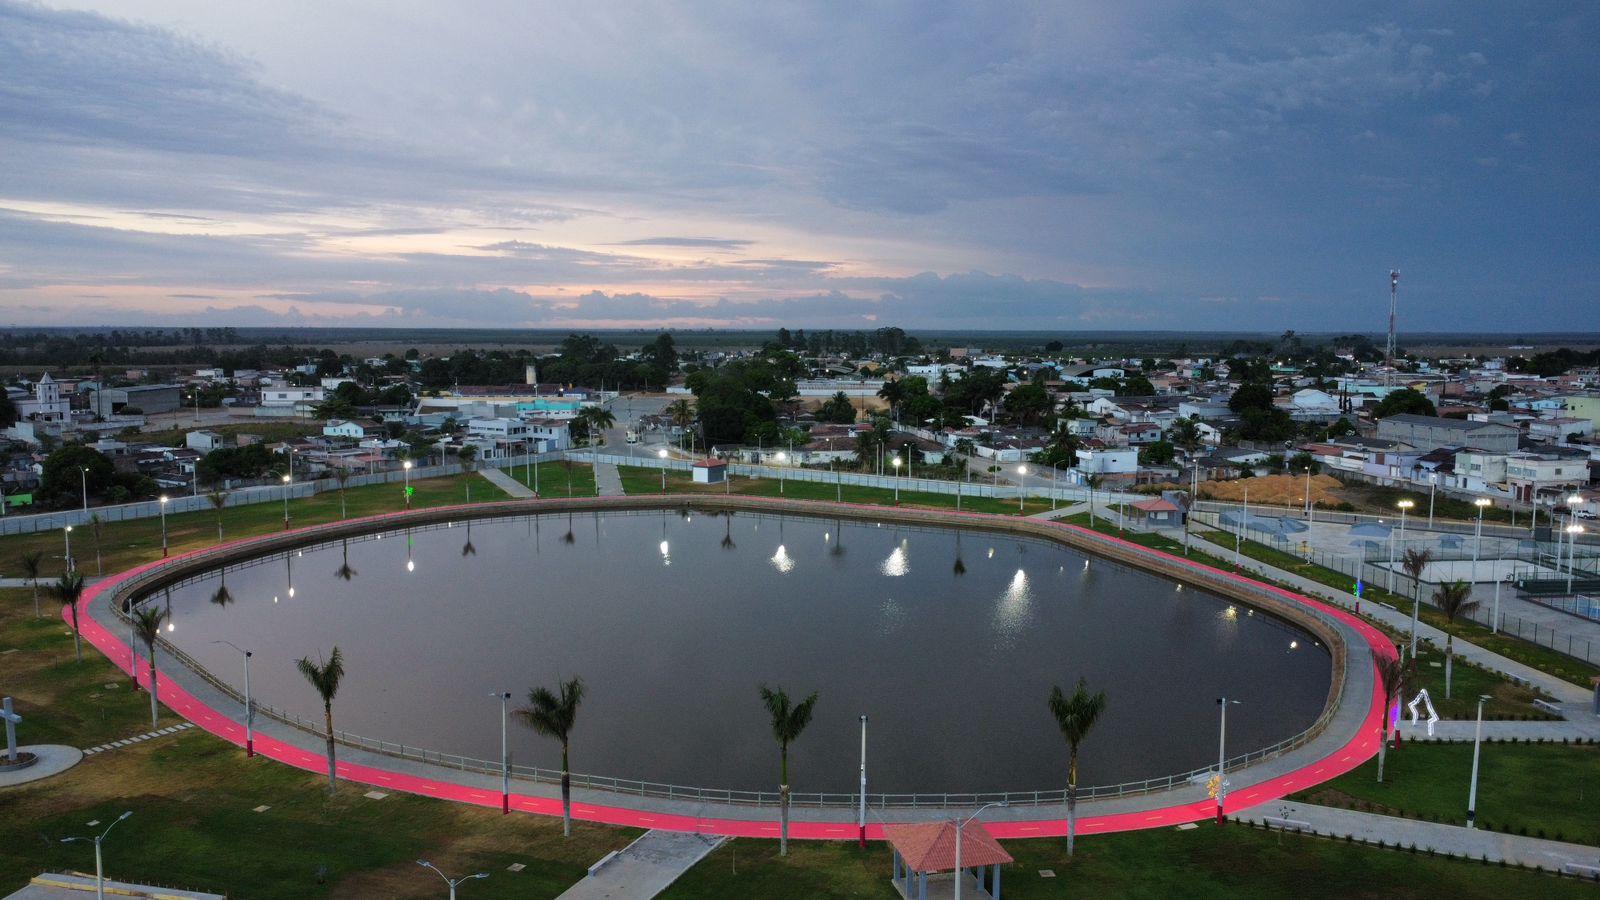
point(1059, 166)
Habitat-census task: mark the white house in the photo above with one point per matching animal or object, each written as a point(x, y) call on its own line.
point(549, 434)
point(203, 441)
point(352, 428)
point(498, 429)
point(1108, 461)
point(281, 395)
point(1312, 402)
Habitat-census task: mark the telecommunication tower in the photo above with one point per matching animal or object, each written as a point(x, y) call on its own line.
point(1388, 353)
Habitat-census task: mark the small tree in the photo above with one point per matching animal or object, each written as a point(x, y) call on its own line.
point(1392, 678)
point(68, 591)
point(1075, 715)
point(788, 720)
point(325, 677)
point(147, 625)
point(32, 562)
point(554, 715)
point(219, 499)
point(1454, 599)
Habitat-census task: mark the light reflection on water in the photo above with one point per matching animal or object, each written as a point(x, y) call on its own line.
point(673, 621)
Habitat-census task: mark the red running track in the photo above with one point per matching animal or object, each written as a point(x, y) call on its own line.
point(174, 697)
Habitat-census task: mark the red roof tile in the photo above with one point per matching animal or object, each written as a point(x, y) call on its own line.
point(931, 846)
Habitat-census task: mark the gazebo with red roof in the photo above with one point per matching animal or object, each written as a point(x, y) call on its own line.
point(925, 848)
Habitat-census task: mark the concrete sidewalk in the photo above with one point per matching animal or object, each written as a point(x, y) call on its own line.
point(516, 489)
point(1579, 725)
point(1453, 840)
point(607, 480)
point(645, 867)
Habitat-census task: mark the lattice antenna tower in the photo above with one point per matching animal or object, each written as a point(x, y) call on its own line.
point(1388, 353)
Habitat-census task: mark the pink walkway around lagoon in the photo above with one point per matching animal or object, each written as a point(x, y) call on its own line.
point(172, 695)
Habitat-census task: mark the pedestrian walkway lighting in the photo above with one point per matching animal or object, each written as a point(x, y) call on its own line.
point(453, 882)
point(99, 868)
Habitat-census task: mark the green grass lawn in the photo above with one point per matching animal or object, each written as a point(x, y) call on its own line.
point(641, 480)
point(1542, 658)
point(1508, 698)
point(192, 796)
point(556, 479)
point(1228, 862)
point(125, 544)
point(1551, 790)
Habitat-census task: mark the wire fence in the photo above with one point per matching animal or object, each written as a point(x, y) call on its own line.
point(1372, 569)
point(658, 790)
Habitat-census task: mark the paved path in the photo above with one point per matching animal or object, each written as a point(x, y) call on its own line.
point(516, 489)
point(1580, 725)
point(53, 760)
point(1454, 840)
point(75, 886)
point(645, 867)
point(1061, 513)
point(116, 745)
point(1563, 691)
point(608, 480)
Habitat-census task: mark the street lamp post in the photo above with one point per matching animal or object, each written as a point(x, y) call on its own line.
point(663, 454)
point(1433, 486)
point(861, 814)
point(1222, 753)
point(782, 459)
point(1308, 493)
point(1477, 741)
point(249, 706)
point(896, 462)
point(1238, 537)
point(1022, 484)
point(164, 499)
point(83, 477)
point(286, 481)
point(99, 867)
point(961, 825)
point(407, 467)
point(453, 882)
point(1573, 531)
point(66, 533)
point(505, 755)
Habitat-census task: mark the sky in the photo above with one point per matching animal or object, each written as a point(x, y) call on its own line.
point(1051, 166)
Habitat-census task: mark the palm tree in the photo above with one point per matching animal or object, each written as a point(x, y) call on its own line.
point(727, 531)
point(219, 499)
point(68, 591)
point(1075, 716)
point(1415, 562)
point(892, 392)
point(788, 720)
point(681, 412)
point(467, 549)
point(341, 476)
point(94, 529)
point(596, 420)
point(31, 563)
point(147, 625)
point(325, 678)
point(1453, 599)
point(1391, 677)
point(223, 596)
point(1092, 482)
point(553, 716)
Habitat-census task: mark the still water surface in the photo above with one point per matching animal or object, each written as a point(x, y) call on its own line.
point(949, 641)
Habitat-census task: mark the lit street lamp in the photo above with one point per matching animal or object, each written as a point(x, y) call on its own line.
point(783, 458)
point(963, 824)
point(505, 756)
point(407, 467)
point(896, 462)
point(1477, 741)
point(286, 482)
point(67, 534)
point(1433, 486)
point(1022, 483)
point(249, 706)
point(453, 882)
point(164, 524)
point(83, 477)
point(1573, 531)
point(663, 454)
point(99, 868)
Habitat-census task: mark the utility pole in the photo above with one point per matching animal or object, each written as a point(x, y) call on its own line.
point(1388, 355)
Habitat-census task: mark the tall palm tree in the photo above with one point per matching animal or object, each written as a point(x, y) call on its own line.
point(681, 412)
point(147, 625)
point(341, 477)
point(219, 499)
point(1075, 715)
point(788, 720)
point(94, 529)
point(325, 677)
point(1414, 562)
point(554, 715)
point(68, 591)
point(1392, 678)
point(596, 420)
point(1453, 599)
point(32, 562)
